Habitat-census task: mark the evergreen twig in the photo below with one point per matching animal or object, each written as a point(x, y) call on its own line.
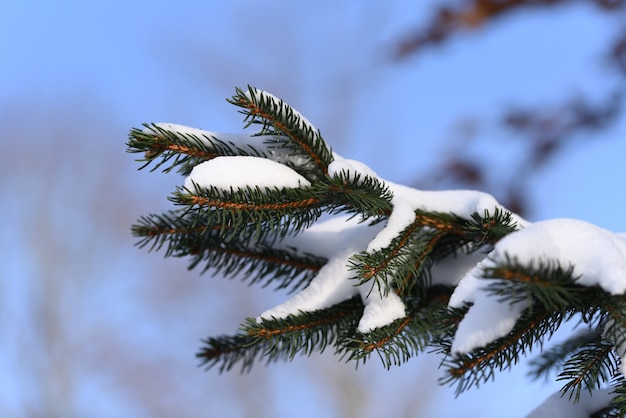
point(164, 146)
point(359, 194)
point(250, 212)
point(479, 366)
point(238, 233)
point(406, 262)
point(290, 130)
point(399, 341)
point(590, 366)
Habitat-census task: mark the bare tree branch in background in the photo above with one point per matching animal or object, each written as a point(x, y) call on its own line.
point(469, 15)
point(545, 131)
point(542, 135)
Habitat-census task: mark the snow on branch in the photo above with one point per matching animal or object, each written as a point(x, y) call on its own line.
point(379, 266)
point(596, 256)
point(227, 172)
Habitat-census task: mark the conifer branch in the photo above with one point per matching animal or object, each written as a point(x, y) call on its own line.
point(552, 359)
point(364, 195)
point(420, 272)
point(261, 264)
point(398, 267)
point(546, 283)
point(255, 260)
point(618, 404)
point(291, 130)
point(220, 203)
point(488, 228)
point(397, 342)
point(228, 351)
point(547, 289)
point(156, 230)
point(380, 339)
point(184, 150)
point(249, 228)
point(442, 222)
point(410, 255)
point(250, 213)
point(307, 331)
point(614, 320)
point(592, 365)
point(467, 370)
point(276, 339)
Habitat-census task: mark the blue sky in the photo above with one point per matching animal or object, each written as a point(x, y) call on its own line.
point(93, 70)
point(165, 63)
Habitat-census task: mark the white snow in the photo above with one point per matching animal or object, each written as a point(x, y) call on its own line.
point(379, 310)
point(333, 283)
point(352, 168)
point(208, 137)
point(407, 200)
point(241, 171)
point(263, 145)
point(487, 319)
point(451, 269)
point(327, 236)
point(338, 238)
point(598, 256)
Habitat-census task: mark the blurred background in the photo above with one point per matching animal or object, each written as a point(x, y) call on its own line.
point(520, 98)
